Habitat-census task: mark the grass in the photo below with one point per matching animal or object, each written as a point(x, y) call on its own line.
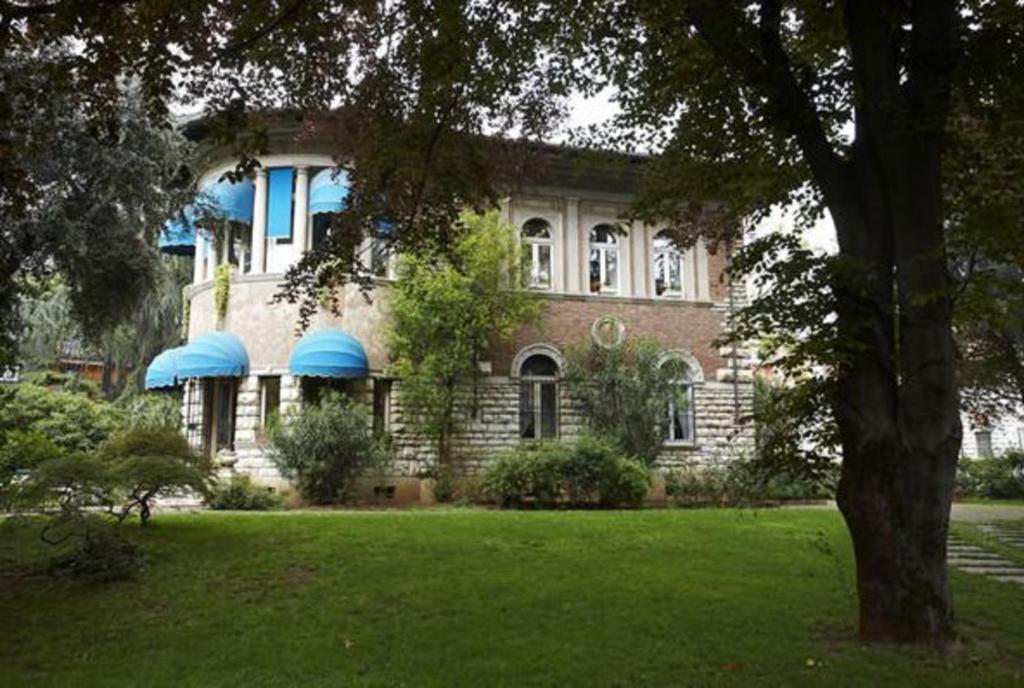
point(482, 598)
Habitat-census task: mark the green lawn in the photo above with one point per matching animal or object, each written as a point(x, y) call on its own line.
point(483, 598)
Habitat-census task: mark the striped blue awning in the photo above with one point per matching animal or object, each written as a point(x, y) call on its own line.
point(329, 353)
point(328, 190)
point(163, 370)
point(220, 354)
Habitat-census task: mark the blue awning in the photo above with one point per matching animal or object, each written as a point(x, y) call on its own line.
point(163, 370)
point(328, 190)
point(232, 201)
point(329, 353)
point(220, 354)
point(178, 236)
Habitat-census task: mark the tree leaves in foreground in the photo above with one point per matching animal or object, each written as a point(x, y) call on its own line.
point(82, 196)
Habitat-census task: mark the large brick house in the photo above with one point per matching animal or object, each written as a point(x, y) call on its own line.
point(240, 367)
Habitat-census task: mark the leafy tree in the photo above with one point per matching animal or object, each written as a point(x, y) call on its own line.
point(446, 309)
point(871, 109)
point(81, 199)
point(624, 390)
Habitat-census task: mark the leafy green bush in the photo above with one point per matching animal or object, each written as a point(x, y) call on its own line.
point(22, 450)
point(151, 410)
point(1000, 477)
point(325, 447)
point(65, 382)
point(72, 421)
point(589, 472)
point(530, 471)
point(240, 494)
point(626, 484)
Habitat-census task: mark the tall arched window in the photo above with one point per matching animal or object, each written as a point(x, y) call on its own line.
point(538, 398)
point(681, 411)
point(604, 259)
point(670, 268)
point(537, 241)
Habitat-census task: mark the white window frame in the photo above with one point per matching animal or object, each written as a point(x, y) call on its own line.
point(603, 248)
point(671, 254)
point(537, 382)
point(533, 245)
point(690, 392)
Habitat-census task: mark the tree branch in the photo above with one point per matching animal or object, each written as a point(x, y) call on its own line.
point(769, 70)
point(274, 24)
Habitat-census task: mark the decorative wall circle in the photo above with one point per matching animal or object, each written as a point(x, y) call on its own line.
point(608, 331)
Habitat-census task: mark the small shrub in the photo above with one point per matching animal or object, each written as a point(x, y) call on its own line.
point(589, 472)
point(1001, 477)
point(325, 447)
point(240, 494)
point(532, 471)
point(627, 484)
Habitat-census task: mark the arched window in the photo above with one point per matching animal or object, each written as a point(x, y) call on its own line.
point(538, 398)
point(681, 412)
point(604, 259)
point(537, 241)
point(670, 268)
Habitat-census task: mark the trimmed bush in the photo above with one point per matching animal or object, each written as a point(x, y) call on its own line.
point(589, 472)
point(326, 447)
point(240, 494)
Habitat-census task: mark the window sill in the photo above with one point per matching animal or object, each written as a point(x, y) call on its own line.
point(680, 444)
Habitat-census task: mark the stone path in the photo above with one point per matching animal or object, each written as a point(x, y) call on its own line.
point(973, 559)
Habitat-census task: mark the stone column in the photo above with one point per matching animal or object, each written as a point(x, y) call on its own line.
point(641, 259)
point(573, 272)
point(211, 257)
point(199, 261)
point(300, 226)
point(701, 258)
point(259, 224)
point(626, 263)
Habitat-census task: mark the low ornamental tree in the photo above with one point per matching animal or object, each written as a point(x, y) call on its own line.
point(447, 308)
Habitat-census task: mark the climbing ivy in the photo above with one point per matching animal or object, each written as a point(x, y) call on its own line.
point(222, 289)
